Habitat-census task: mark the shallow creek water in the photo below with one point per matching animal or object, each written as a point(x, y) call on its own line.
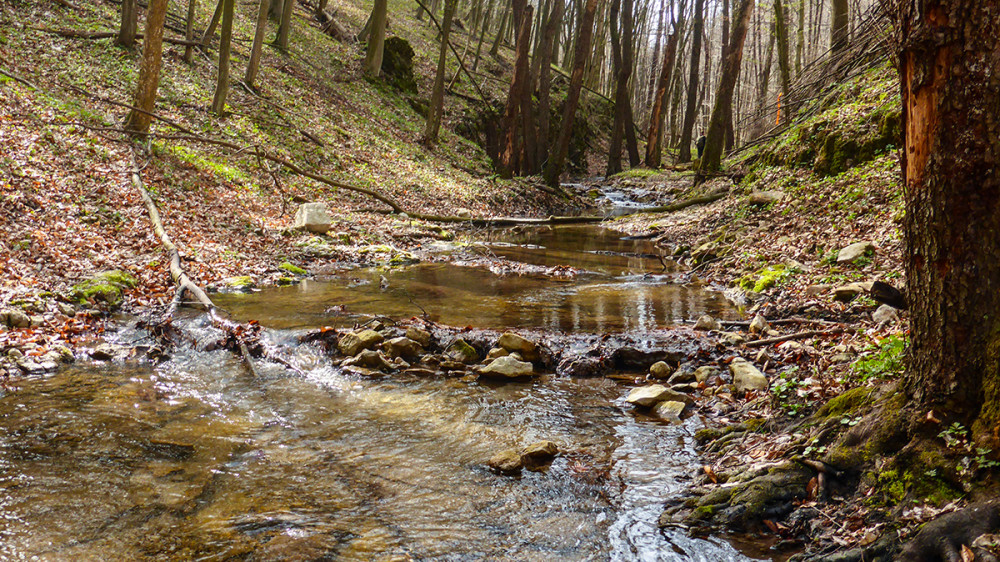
point(197, 460)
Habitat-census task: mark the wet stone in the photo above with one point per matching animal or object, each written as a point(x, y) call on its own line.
point(403, 347)
point(496, 352)
point(538, 455)
point(423, 337)
point(707, 323)
point(582, 367)
point(669, 411)
point(746, 376)
point(461, 351)
point(660, 370)
point(508, 367)
point(703, 374)
point(506, 462)
point(353, 343)
point(518, 344)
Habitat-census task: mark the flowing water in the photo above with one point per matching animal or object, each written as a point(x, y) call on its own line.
point(195, 459)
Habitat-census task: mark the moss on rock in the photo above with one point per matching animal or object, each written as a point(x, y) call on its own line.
point(107, 287)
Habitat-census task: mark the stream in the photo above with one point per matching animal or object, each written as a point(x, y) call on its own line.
point(194, 459)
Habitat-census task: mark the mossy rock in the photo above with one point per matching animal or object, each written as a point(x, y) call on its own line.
point(293, 269)
point(107, 287)
point(880, 433)
point(397, 65)
point(748, 503)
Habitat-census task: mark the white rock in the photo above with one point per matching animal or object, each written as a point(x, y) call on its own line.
point(854, 251)
point(508, 367)
point(758, 324)
point(651, 395)
point(765, 197)
point(669, 411)
point(746, 376)
point(312, 217)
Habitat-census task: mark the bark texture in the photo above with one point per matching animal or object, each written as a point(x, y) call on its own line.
point(225, 49)
point(691, 109)
point(149, 73)
point(654, 143)
point(437, 95)
point(951, 167)
point(376, 39)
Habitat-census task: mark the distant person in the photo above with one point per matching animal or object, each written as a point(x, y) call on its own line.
point(700, 144)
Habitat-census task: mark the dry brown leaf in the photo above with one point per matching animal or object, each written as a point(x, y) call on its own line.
point(967, 554)
point(811, 488)
point(710, 473)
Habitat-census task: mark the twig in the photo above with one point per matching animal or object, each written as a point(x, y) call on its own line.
point(17, 78)
point(795, 336)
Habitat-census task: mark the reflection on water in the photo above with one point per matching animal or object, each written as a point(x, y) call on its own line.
point(198, 461)
point(627, 286)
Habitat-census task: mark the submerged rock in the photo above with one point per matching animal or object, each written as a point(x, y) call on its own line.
point(370, 359)
point(506, 462)
point(746, 376)
point(508, 367)
point(353, 343)
point(583, 367)
point(669, 411)
point(539, 455)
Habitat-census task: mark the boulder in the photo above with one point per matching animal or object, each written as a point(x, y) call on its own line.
point(508, 367)
point(312, 217)
point(746, 376)
point(397, 64)
point(353, 343)
point(669, 411)
point(660, 370)
point(517, 344)
point(461, 351)
point(538, 455)
point(706, 322)
point(854, 251)
point(507, 462)
point(423, 337)
point(683, 374)
point(758, 324)
point(403, 347)
point(107, 287)
point(885, 315)
point(767, 197)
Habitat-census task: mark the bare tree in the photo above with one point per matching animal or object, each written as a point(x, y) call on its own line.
point(285, 28)
point(376, 39)
point(654, 142)
point(437, 96)
point(225, 50)
point(189, 31)
point(692, 97)
point(129, 24)
point(258, 43)
point(149, 73)
point(510, 147)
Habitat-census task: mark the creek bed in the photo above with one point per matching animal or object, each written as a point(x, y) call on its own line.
point(194, 459)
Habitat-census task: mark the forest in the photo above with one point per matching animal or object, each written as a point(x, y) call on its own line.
point(399, 280)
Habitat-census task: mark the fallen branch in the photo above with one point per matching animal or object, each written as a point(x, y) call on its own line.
point(17, 78)
point(75, 34)
point(237, 335)
point(795, 336)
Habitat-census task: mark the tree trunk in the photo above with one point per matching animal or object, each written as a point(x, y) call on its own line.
point(149, 73)
point(690, 112)
point(509, 145)
point(621, 50)
point(437, 96)
point(840, 21)
point(545, 81)
point(781, 32)
point(482, 37)
point(285, 29)
point(225, 49)
point(712, 158)
point(129, 24)
point(722, 59)
point(951, 172)
point(189, 30)
point(376, 39)
point(212, 25)
point(651, 86)
point(495, 49)
point(654, 142)
point(557, 159)
point(628, 57)
point(321, 7)
point(258, 43)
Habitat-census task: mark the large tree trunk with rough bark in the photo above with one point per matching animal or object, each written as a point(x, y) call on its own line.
point(951, 169)
point(149, 73)
point(545, 80)
point(691, 110)
point(712, 157)
point(781, 33)
point(557, 159)
point(509, 146)
point(621, 50)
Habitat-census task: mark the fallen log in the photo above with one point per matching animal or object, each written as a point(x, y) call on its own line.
point(795, 336)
